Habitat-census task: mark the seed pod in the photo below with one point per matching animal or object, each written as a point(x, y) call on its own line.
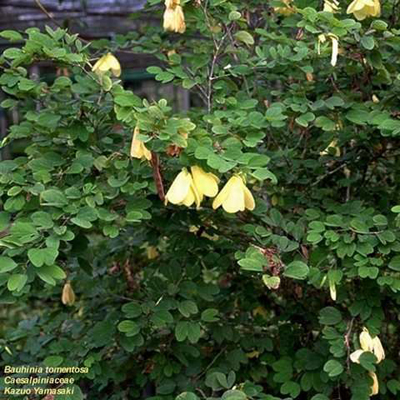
point(68, 295)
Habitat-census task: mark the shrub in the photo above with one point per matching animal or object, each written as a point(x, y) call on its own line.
point(175, 301)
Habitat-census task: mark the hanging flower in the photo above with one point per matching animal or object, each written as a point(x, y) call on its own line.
point(234, 196)
point(364, 8)
point(331, 6)
point(332, 145)
point(287, 10)
point(138, 148)
point(206, 183)
point(372, 345)
point(375, 383)
point(335, 46)
point(106, 63)
point(183, 191)
point(68, 295)
point(152, 252)
point(174, 19)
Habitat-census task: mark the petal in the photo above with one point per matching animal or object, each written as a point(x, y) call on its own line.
point(180, 188)
point(189, 199)
point(360, 15)
point(222, 195)
point(354, 357)
point(206, 183)
point(335, 51)
point(113, 64)
point(375, 384)
point(248, 198)
point(168, 19)
point(145, 151)
point(235, 199)
point(354, 6)
point(135, 146)
point(366, 342)
point(378, 349)
point(377, 6)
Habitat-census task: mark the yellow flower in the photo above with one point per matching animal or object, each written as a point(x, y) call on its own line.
point(370, 344)
point(138, 148)
point(183, 191)
point(335, 46)
point(152, 252)
point(234, 196)
point(287, 10)
point(68, 295)
point(331, 145)
point(364, 8)
point(106, 63)
point(174, 19)
point(375, 384)
point(366, 341)
point(378, 349)
point(206, 183)
point(331, 6)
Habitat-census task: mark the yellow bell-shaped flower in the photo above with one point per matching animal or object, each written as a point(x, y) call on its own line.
point(68, 295)
point(138, 148)
point(174, 19)
point(335, 46)
point(106, 63)
point(183, 191)
point(364, 8)
point(206, 183)
point(234, 196)
point(370, 344)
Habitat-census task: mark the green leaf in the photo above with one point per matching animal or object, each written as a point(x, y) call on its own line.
point(250, 264)
point(130, 328)
point(53, 361)
point(210, 315)
point(7, 264)
point(333, 368)
point(244, 37)
point(330, 316)
point(187, 307)
point(395, 263)
point(296, 270)
point(132, 310)
point(50, 274)
point(16, 282)
point(12, 36)
point(368, 42)
point(187, 396)
point(39, 257)
point(53, 197)
point(234, 395)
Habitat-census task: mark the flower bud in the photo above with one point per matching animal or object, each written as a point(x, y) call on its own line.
point(68, 295)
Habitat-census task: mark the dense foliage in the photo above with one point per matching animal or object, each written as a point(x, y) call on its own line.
point(164, 300)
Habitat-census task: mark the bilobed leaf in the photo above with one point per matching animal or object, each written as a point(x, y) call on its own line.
point(333, 368)
point(296, 270)
point(395, 263)
point(7, 264)
point(330, 316)
point(16, 282)
point(53, 361)
point(245, 37)
point(53, 197)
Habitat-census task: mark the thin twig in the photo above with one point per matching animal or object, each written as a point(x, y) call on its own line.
point(43, 9)
point(328, 174)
